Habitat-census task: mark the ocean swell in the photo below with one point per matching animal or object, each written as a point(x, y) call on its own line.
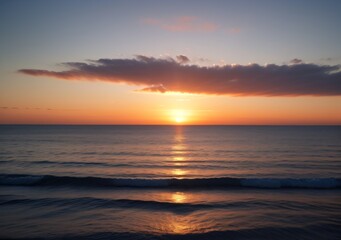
point(225, 182)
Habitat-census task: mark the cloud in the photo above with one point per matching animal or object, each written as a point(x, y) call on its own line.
point(296, 61)
point(182, 24)
point(170, 75)
point(182, 59)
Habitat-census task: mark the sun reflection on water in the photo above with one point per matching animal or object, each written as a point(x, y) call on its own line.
point(178, 173)
point(179, 153)
point(177, 158)
point(181, 225)
point(179, 148)
point(179, 197)
point(181, 221)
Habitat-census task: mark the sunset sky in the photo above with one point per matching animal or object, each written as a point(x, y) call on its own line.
point(170, 62)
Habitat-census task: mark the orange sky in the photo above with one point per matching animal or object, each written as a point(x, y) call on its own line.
point(105, 103)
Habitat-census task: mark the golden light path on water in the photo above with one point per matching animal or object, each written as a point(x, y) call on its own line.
point(179, 153)
point(180, 223)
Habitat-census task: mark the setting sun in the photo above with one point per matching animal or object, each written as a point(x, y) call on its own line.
point(179, 119)
point(179, 116)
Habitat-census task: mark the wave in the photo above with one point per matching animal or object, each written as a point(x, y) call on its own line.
point(79, 163)
point(209, 183)
point(89, 202)
point(325, 231)
point(169, 164)
point(164, 206)
point(313, 231)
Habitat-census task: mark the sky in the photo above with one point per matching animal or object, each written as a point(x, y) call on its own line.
point(170, 62)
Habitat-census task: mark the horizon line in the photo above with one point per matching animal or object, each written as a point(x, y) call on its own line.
point(171, 125)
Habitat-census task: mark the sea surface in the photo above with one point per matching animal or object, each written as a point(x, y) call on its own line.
point(170, 182)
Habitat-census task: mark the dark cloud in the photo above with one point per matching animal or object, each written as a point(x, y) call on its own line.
point(296, 61)
point(182, 59)
point(161, 75)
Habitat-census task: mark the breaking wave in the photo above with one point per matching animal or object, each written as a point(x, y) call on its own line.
point(225, 182)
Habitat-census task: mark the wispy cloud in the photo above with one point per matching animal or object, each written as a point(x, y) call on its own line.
point(178, 75)
point(182, 24)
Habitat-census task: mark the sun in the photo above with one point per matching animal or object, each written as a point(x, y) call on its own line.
point(179, 119)
point(179, 116)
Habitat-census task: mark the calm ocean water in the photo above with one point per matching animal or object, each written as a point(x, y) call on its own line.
point(170, 182)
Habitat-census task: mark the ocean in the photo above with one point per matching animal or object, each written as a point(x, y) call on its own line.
point(170, 182)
